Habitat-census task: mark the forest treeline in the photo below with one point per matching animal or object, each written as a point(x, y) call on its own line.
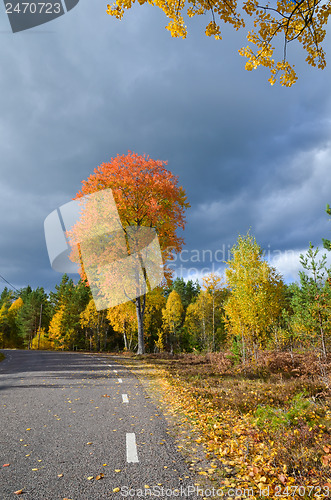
point(251, 309)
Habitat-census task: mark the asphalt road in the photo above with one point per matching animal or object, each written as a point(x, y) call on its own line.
point(67, 418)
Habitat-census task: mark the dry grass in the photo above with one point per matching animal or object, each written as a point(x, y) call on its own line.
point(267, 421)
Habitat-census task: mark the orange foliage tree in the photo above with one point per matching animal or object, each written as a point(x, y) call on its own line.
point(147, 195)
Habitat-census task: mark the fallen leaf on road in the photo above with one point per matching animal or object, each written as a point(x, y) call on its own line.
point(117, 470)
point(88, 443)
point(105, 396)
point(18, 492)
point(90, 477)
point(28, 429)
point(6, 465)
point(115, 490)
point(99, 476)
point(60, 475)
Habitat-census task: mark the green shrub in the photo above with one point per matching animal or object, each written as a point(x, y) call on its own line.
point(300, 409)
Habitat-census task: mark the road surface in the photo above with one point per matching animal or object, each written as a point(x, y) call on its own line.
point(67, 419)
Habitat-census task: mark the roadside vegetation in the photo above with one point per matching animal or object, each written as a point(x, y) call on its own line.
point(264, 427)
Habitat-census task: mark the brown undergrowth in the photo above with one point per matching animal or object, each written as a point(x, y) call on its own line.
point(265, 426)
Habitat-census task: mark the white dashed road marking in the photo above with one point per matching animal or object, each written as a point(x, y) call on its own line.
point(120, 380)
point(125, 398)
point(131, 448)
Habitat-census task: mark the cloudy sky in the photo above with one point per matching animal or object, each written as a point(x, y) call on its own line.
point(83, 88)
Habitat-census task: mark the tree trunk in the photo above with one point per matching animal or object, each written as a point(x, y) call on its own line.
point(322, 334)
point(243, 347)
point(213, 346)
point(105, 339)
point(140, 309)
point(124, 336)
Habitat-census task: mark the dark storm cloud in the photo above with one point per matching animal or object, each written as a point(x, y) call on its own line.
point(89, 87)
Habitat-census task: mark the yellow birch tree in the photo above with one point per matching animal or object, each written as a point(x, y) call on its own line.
point(172, 318)
point(256, 294)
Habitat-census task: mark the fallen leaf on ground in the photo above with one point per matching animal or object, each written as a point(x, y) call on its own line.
point(60, 475)
point(6, 465)
point(115, 490)
point(18, 492)
point(282, 478)
point(99, 476)
point(90, 477)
